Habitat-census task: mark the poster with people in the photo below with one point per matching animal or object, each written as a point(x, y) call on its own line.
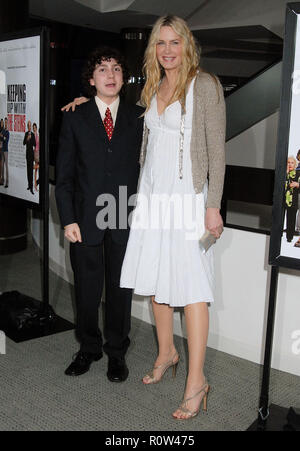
point(285, 233)
point(291, 237)
point(20, 117)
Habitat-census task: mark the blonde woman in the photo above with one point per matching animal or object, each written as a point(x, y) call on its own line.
point(183, 144)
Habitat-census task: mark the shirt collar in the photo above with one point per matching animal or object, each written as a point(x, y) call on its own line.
point(103, 107)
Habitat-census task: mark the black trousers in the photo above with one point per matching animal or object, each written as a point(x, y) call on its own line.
point(91, 264)
point(290, 222)
point(29, 161)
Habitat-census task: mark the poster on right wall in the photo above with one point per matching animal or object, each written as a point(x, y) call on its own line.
point(285, 233)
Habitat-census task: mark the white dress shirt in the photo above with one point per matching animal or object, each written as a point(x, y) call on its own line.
point(102, 107)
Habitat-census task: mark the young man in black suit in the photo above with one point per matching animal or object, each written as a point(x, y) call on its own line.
point(98, 153)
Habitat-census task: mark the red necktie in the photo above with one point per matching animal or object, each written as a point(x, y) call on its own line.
point(108, 123)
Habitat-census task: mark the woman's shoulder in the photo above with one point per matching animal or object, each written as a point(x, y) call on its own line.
point(207, 84)
point(206, 78)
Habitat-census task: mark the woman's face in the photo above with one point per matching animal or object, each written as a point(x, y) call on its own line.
point(34, 129)
point(169, 48)
point(291, 164)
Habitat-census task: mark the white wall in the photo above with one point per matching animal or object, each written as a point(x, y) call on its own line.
point(239, 313)
point(256, 147)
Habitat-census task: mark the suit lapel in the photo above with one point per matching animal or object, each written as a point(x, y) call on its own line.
point(94, 120)
point(121, 121)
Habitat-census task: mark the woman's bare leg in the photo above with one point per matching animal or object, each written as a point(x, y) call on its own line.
point(197, 322)
point(163, 315)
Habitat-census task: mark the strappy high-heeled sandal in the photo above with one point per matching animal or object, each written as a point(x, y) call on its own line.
point(165, 366)
point(192, 414)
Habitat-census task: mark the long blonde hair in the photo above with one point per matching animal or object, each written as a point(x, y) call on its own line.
point(153, 70)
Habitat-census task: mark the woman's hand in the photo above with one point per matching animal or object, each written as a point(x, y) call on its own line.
point(294, 185)
point(76, 101)
point(214, 222)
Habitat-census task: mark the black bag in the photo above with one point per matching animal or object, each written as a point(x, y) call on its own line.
point(293, 418)
point(20, 312)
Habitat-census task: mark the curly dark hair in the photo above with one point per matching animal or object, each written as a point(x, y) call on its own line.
point(96, 57)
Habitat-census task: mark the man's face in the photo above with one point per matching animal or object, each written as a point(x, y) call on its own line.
point(29, 126)
point(6, 123)
point(108, 80)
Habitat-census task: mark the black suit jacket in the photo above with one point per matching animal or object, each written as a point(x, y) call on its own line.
point(88, 165)
point(29, 144)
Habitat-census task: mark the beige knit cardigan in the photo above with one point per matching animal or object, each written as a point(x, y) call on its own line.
point(208, 138)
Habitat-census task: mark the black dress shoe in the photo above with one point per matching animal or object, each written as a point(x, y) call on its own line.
point(117, 369)
point(82, 363)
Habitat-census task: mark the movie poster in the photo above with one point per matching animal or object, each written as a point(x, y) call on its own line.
point(285, 232)
point(290, 243)
point(20, 117)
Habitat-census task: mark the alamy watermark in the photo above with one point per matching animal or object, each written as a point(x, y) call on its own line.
point(159, 211)
point(2, 342)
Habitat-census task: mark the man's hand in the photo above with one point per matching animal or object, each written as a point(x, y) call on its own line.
point(72, 233)
point(76, 101)
point(214, 222)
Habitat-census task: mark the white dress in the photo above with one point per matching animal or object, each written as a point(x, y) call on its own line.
point(163, 257)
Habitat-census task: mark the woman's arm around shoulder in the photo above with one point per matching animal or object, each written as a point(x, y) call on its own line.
point(72, 105)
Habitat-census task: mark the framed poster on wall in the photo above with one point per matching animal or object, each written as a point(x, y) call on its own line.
point(285, 232)
point(22, 126)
